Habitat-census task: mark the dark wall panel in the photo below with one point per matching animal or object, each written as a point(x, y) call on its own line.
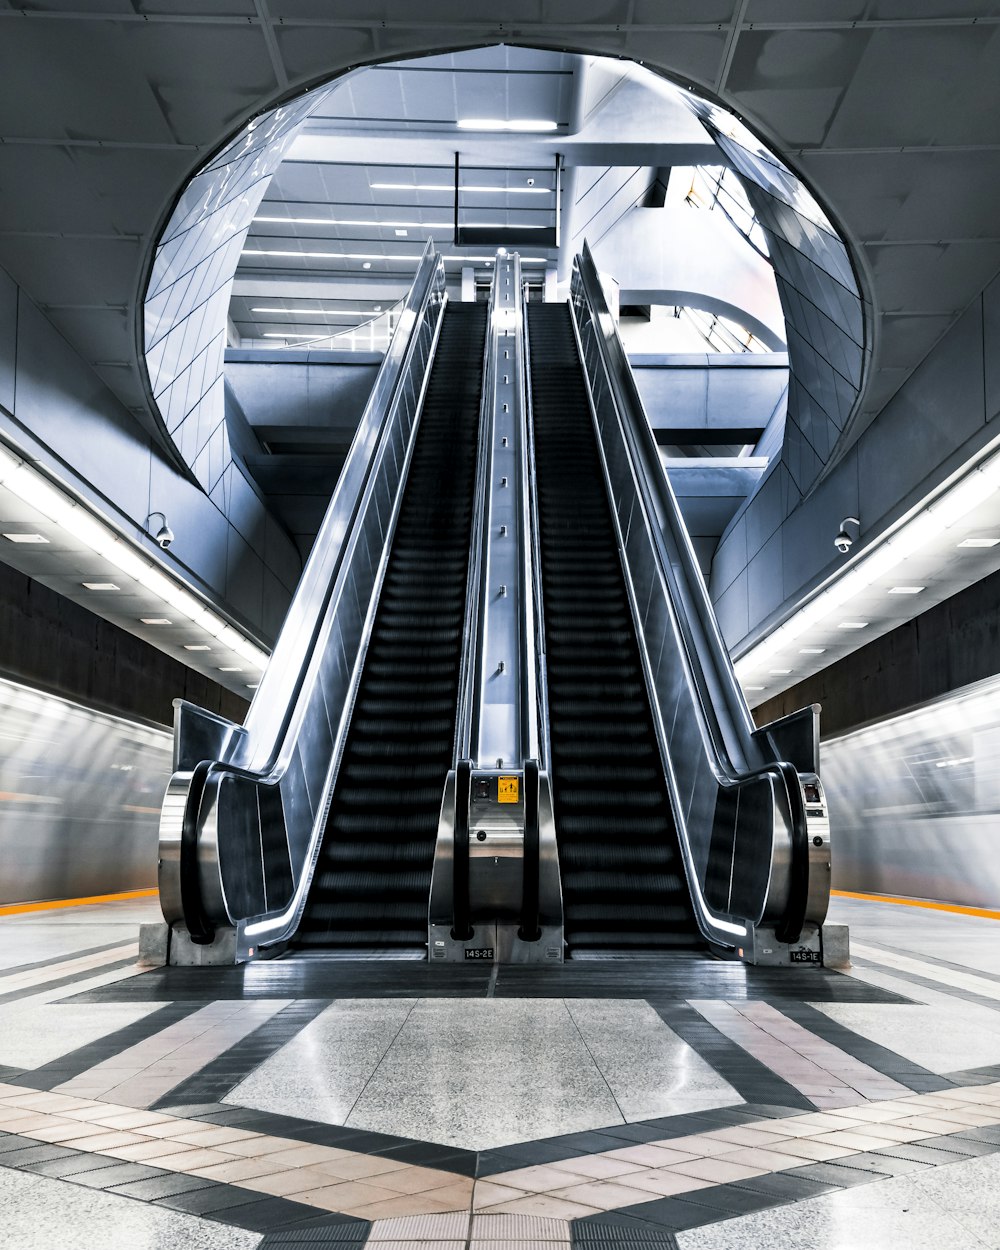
point(949, 646)
point(52, 643)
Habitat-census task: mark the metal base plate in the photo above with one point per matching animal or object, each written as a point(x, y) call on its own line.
point(495, 944)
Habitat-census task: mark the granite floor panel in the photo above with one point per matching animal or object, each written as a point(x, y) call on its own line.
point(678, 1102)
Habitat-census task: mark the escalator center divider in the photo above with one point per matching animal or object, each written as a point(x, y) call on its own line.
point(624, 886)
point(371, 882)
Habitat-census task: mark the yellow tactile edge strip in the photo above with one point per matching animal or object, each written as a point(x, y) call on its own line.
point(985, 912)
point(16, 909)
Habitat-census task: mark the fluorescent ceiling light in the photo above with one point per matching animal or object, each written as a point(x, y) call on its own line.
point(906, 590)
point(230, 668)
point(519, 124)
point(370, 256)
point(100, 586)
point(197, 646)
point(811, 650)
point(853, 625)
point(754, 687)
point(882, 558)
point(450, 187)
point(272, 334)
point(400, 233)
point(26, 538)
point(344, 221)
point(780, 672)
point(74, 519)
point(155, 620)
point(312, 312)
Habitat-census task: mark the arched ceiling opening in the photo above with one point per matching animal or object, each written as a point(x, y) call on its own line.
point(319, 210)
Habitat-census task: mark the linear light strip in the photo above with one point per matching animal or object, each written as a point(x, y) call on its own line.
point(910, 538)
point(32, 488)
point(450, 187)
point(402, 225)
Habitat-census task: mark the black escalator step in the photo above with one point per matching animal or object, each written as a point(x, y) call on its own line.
point(371, 885)
point(622, 882)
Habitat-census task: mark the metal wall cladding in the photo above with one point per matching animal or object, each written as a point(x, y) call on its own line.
point(80, 795)
point(915, 801)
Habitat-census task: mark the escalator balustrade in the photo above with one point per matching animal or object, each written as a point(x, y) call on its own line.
point(372, 877)
point(623, 881)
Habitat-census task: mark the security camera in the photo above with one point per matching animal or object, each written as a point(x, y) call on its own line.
point(844, 542)
point(164, 536)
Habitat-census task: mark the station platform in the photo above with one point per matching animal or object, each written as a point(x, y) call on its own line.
point(677, 1102)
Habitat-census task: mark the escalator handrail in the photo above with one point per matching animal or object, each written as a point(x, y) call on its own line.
point(337, 527)
point(706, 656)
point(470, 664)
point(462, 925)
point(282, 680)
point(529, 930)
point(533, 565)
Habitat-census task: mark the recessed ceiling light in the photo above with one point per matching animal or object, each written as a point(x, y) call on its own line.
point(779, 672)
point(343, 221)
point(852, 625)
point(450, 187)
point(366, 264)
point(400, 234)
point(979, 542)
point(197, 646)
point(811, 650)
point(376, 307)
point(101, 586)
point(309, 312)
point(520, 124)
point(26, 538)
point(230, 668)
point(906, 590)
point(155, 620)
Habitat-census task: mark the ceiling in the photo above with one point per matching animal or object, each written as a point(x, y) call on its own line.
point(107, 107)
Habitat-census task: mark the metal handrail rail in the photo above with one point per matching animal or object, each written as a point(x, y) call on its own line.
point(475, 589)
point(712, 679)
point(533, 569)
point(662, 506)
point(304, 616)
point(260, 752)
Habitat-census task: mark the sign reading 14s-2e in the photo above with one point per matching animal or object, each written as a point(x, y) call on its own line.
point(479, 952)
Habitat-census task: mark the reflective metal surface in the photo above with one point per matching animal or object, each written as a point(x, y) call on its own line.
point(915, 801)
point(80, 798)
point(258, 820)
point(505, 711)
point(733, 796)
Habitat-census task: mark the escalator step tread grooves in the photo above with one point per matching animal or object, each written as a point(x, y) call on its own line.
point(371, 884)
point(623, 878)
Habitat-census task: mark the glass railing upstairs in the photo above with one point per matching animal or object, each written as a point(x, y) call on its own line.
point(243, 816)
point(747, 802)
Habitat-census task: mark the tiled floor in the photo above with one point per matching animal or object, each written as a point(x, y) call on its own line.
point(686, 1103)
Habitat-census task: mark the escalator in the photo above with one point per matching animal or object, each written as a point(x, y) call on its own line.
point(370, 887)
point(623, 880)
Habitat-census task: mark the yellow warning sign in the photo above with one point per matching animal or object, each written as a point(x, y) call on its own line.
point(507, 789)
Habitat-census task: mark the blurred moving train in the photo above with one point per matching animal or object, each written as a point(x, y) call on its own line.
point(80, 795)
point(914, 800)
